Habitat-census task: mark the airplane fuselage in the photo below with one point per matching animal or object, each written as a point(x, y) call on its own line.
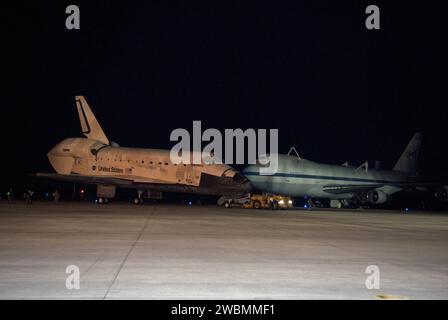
point(301, 178)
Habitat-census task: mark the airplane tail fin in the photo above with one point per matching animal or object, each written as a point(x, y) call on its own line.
point(408, 159)
point(89, 125)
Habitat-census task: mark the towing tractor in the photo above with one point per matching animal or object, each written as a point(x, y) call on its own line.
point(258, 201)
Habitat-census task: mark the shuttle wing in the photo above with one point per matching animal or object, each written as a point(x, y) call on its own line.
point(85, 179)
point(97, 180)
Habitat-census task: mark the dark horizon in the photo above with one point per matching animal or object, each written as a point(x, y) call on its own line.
point(336, 91)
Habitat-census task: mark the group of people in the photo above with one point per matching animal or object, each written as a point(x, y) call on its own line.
point(29, 196)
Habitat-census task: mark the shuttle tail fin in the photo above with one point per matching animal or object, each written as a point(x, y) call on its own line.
point(409, 157)
point(89, 125)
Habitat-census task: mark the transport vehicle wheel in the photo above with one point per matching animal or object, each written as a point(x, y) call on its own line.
point(140, 201)
point(257, 204)
point(226, 204)
point(100, 200)
point(106, 200)
point(136, 201)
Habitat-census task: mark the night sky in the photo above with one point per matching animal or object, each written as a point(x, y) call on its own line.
point(335, 90)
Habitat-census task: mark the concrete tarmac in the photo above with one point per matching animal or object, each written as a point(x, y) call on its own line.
point(125, 251)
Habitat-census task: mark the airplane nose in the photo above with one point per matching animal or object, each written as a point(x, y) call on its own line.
point(251, 171)
point(250, 168)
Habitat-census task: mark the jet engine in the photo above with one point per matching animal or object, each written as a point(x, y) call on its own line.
point(441, 194)
point(377, 197)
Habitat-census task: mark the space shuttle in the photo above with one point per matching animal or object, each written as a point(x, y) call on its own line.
point(95, 160)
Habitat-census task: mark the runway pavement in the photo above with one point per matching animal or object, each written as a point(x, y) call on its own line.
point(125, 251)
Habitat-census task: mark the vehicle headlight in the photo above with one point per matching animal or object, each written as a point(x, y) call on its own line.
point(290, 201)
point(281, 202)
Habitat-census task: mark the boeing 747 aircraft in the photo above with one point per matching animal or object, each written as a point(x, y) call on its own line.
point(345, 185)
point(95, 160)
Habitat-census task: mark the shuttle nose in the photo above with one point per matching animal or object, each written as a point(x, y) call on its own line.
point(61, 162)
point(243, 183)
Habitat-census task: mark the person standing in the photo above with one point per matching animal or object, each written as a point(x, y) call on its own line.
point(29, 196)
point(56, 196)
point(10, 195)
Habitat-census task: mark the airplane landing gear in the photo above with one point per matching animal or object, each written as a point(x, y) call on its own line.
point(344, 204)
point(139, 199)
point(102, 200)
point(311, 203)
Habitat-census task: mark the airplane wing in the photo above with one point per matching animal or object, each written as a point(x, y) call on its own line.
point(355, 188)
point(346, 188)
point(96, 180)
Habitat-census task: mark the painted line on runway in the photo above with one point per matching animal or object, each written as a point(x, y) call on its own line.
point(129, 253)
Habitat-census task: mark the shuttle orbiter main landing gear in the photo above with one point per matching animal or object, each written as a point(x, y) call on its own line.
point(139, 199)
point(104, 193)
point(102, 200)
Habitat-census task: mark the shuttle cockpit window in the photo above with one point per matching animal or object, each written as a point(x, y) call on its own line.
point(228, 173)
point(97, 147)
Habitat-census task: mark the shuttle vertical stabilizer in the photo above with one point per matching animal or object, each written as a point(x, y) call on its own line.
point(89, 125)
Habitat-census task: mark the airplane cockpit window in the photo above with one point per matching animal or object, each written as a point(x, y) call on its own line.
point(263, 161)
